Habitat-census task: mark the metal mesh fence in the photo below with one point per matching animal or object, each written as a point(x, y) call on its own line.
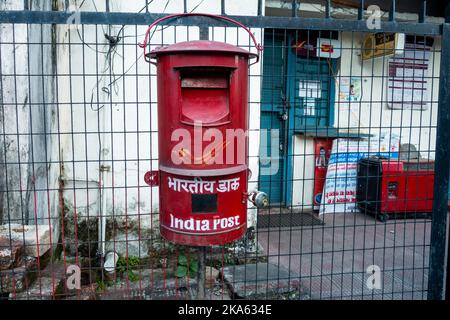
point(342, 138)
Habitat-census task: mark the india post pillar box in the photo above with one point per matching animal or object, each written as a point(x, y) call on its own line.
point(203, 141)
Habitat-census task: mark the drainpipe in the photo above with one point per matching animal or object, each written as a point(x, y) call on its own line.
point(104, 172)
point(104, 169)
point(2, 166)
point(105, 151)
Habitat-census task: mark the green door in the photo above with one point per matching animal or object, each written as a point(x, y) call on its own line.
point(297, 92)
point(273, 111)
point(311, 91)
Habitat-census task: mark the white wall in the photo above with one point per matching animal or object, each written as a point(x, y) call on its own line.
point(372, 114)
point(30, 169)
point(14, 149)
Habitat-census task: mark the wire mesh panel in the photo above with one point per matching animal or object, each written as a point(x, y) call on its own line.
point(342, 130)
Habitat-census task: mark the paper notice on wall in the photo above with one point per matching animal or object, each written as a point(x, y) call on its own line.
point(339, 192)
point(349, 89)
point(408, 78)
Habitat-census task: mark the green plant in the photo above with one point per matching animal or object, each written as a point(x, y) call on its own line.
point(186, 267)
point(229, 259)
point(102, 284)
point(127, 266)
point(132, 276)
point(124, 264)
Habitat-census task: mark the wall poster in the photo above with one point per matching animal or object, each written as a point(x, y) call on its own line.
point(408, 82)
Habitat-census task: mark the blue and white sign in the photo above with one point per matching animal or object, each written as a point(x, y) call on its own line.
point(339, 194)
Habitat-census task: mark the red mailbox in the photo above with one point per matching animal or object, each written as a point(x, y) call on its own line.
point(203, 139)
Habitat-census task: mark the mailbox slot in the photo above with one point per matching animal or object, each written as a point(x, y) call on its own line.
point(204, 203)
point(205, 96)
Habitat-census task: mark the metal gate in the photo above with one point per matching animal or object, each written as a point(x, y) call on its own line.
point(348, 131)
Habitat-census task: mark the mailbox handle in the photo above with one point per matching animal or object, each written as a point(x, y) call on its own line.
point(147, 40)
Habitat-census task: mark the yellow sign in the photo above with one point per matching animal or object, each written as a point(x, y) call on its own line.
point(382, 44)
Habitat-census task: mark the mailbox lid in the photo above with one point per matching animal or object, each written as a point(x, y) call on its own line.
point(200, 46)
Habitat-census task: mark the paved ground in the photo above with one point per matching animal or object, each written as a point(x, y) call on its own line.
point(332, 259)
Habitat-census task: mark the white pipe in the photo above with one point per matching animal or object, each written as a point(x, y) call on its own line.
point(102, 233)
point(105, 181)
point(104, 225)
point(104, 151)
point(101, 249)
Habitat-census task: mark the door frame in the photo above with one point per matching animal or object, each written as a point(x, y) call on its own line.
point(290, 93)
point(289, 57)
point(285, 187)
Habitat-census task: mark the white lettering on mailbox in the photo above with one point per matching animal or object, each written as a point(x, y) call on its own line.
point(199, 186)
point(204, 224)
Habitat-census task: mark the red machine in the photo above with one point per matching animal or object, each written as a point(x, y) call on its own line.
point(392, 186)
point(203, 141)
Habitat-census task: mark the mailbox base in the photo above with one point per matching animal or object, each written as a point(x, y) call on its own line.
point(203, 211)
point(202, 240)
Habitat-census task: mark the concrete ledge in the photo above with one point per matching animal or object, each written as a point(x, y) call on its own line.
point(261, 281)
point(35, 239)
point(11, 252)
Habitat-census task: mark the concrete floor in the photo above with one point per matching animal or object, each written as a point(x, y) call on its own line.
point(331, 259)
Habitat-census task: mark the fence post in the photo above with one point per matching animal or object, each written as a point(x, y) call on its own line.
point(442, 167)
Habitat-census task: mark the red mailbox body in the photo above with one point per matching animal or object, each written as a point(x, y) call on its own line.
point(203, 142)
